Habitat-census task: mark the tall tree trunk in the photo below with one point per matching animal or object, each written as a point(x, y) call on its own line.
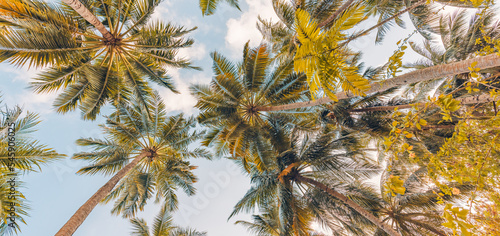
point(484, 98)
point(438, 71)
point(81, 214)
point(91, 18)
point(336, 13)
point(386, 228)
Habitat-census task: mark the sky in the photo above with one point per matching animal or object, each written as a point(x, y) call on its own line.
point(56, 192)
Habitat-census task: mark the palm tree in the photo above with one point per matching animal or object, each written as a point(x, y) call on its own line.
point(298, 166)
point(227, 106)
point(19, 154)
point(163, 226)
point(147, 151)
point(92, 69)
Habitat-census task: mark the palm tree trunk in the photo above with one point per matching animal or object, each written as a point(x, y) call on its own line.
point(484, 98)
point(91, 18)
point(383, 22)
point(386, 228)
point(336, 13)
point(438, 71)
point(77, 219)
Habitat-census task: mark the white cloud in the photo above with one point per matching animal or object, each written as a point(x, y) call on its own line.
point(239, 31)
point(30, 101)
point(20, 73)
point(196, 52)
point(162, 10)
point(183, 101)
point(23, 96)
point(40, 103)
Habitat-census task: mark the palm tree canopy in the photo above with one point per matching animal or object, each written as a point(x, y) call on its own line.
point(130, 131)
point(90, 69)
point(228, 105)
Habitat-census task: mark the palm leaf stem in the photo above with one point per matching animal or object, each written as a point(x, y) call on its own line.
point(107, 16)
point(134, 25)
point(125, 17)
point(118, 18)
point(28, 50)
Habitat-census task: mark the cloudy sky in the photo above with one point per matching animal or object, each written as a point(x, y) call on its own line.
point(56, 192)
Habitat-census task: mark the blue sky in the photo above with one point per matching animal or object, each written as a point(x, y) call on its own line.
point(56, 192)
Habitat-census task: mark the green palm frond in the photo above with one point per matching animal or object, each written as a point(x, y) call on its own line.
point(161, 42)
point(140, 228)
point(162, 223)
point(255, 65)
point(139, 187)
point(265, 190)
point(187, 232)
point(338, 217)
point(222, 66)
point(208, 7)
point(138, 12)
